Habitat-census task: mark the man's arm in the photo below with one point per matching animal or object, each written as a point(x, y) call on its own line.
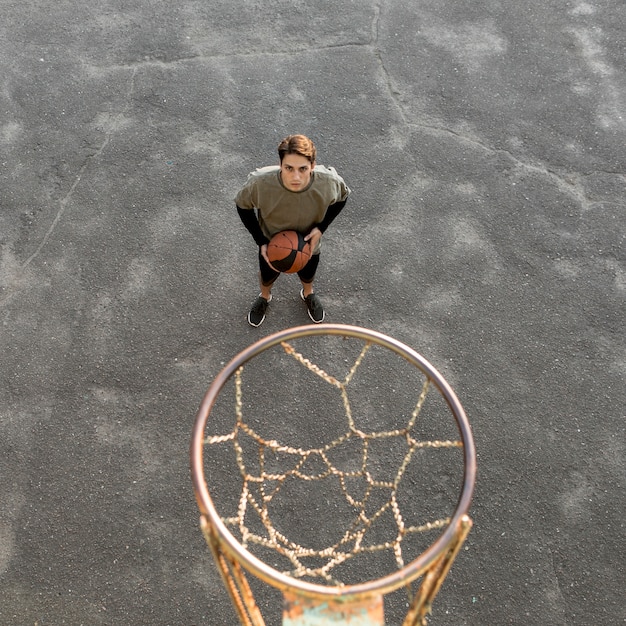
point(250, 221)
point(331, 213)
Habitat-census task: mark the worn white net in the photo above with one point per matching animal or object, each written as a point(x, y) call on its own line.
point(311, 511)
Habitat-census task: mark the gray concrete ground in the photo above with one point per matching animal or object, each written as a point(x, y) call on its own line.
point(485, 144)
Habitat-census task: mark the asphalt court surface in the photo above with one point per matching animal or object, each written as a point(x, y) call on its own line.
point(485, 145)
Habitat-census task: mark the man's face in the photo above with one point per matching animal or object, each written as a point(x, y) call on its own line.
point(296, 171)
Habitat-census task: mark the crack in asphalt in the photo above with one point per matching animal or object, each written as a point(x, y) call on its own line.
point(64, 202)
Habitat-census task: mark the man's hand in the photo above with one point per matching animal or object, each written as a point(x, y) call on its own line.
point(264, 255)
point(314, 237)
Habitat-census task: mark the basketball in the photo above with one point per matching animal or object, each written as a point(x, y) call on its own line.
point(288, 252)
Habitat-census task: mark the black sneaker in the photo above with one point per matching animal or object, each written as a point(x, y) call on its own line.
point(258, 310)
point(314, 307)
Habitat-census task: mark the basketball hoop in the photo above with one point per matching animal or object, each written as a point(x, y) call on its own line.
point(378, 526)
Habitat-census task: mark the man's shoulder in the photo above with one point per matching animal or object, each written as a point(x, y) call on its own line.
point(267, 172)
point(326, 171)
point(328, 177)
point(261, 181)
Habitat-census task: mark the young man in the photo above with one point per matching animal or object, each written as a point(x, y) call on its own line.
point(296, 195)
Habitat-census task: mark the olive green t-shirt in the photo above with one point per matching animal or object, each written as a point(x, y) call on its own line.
point(279, 209)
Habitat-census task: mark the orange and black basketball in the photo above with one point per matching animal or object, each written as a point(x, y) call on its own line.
point(288, 252)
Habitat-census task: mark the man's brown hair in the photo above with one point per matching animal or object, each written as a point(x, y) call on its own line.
point(297, 144)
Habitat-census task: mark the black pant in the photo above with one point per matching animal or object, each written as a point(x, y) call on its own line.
point(306, 274)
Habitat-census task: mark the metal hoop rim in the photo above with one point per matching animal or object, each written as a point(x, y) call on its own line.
point(389, 582)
